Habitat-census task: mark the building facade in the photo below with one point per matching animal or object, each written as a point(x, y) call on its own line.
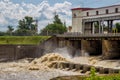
point(91, 20)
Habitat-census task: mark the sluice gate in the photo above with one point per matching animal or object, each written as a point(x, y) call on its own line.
point(107, 45)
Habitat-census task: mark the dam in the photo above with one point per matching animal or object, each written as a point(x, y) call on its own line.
point(107, 45)
point(93, 32)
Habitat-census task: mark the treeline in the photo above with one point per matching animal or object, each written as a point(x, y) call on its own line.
point(28, 27)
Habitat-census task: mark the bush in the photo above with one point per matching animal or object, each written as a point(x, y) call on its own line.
point(93, 76)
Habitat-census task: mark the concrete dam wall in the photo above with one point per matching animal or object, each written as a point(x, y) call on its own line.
point(107, 48)
point(13, 52)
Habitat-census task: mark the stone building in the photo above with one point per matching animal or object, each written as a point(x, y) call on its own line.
point(84, 19)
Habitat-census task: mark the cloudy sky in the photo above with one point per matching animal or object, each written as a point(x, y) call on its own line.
point(13, 10)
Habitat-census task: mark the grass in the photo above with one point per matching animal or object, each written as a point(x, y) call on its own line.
point(33, 40)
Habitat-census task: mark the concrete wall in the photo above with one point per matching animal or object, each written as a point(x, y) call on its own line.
point(47, 46)
point(76, 21)
point(88, 28)
point(91, 47)
point(13, 52)
point(84, 47)
point(111, 49)
point(107, 48)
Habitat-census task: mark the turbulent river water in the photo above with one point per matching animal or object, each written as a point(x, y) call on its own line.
point(38, 69)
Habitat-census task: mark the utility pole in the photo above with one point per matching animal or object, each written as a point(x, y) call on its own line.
point(36, 28)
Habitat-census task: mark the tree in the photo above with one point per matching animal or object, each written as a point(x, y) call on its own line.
point(26, 27)
point(57, 27)
point(10, 30)
point(57, 20)
point(2, 33)
point(117, 26)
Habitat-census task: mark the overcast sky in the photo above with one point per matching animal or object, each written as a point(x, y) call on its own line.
point(13, 10)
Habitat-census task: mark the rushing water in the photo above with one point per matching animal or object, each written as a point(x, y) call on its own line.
point(70, 53)
point(63, 51)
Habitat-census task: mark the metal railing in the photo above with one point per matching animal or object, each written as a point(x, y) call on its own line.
point(78, 34)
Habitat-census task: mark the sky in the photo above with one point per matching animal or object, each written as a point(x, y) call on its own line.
point(11, 11)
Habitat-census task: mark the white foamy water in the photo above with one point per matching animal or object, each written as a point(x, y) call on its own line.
point(63, 51)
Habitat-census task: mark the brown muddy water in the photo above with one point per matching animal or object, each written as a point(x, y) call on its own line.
point(33, 70)
point(39, 68)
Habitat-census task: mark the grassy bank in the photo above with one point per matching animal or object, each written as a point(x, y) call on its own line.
point(22, 39)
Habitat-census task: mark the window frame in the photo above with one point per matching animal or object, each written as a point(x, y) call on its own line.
point(97, 12)
point(116, 10)
point(107, 11)
point(87, 13)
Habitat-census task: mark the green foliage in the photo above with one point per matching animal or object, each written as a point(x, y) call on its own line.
point(96, 25)
point(22, 39)
point(93, 76)
point(10, 30)
point(57, 27)
point(57, 20)
point(118, 27)
point(2, 33)
point(51, 29)
point(26, 27)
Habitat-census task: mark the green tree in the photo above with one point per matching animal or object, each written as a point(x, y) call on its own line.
point(26, 27)
point(57, 27)
point(57, 20)
point(118, 27)
point(10, 30)
point(2, 33)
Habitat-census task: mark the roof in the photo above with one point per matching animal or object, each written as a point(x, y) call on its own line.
point(85, 9)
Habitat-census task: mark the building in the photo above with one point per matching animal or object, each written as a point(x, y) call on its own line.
point(85, 19)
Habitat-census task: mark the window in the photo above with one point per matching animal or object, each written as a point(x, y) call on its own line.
point(74, 15)
point(107, 11)
point(97, 12)
point(116, 10)
point(87, 13)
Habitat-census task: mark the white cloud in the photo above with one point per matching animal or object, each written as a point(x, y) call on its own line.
point(11, 12)
point(3, 20)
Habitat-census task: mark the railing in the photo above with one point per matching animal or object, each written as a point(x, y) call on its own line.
point(78, 34)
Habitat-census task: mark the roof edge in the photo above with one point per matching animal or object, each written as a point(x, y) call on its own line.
point(83, 9)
